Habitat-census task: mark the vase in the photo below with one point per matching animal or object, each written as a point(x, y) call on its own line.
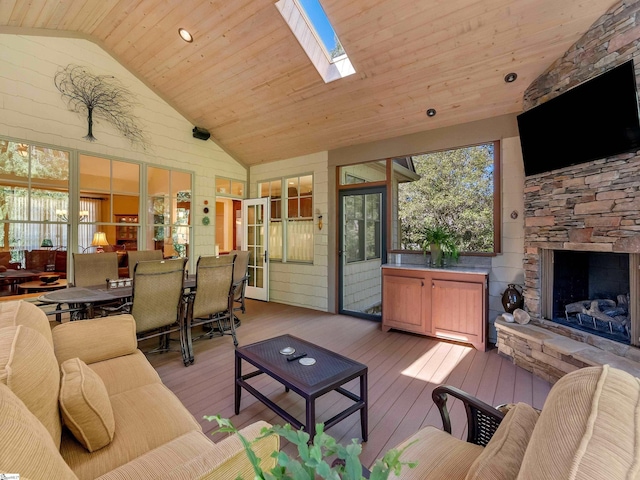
point(437, 259)
point(512, 298)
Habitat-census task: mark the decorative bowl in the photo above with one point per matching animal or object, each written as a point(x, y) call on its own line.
point(49, 278)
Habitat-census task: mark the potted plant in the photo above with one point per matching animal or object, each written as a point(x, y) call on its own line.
point(311, 460)
point(441, 243)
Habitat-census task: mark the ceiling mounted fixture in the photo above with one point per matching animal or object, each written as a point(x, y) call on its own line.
point(431, 112)
point(510, 77)
point(186, 36)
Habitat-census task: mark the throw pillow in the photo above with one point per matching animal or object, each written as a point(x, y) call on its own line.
point(502, 457)
point(85, 405)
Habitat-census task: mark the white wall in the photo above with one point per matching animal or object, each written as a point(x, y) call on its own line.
point(507, 267)
point(31, 109)
point(300, 284)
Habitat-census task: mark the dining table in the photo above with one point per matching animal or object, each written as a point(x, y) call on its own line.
point(80, 301)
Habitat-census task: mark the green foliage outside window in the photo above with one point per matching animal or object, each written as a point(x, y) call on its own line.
point(455, 191)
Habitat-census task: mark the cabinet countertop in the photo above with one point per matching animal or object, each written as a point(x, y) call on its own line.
point(454, 269)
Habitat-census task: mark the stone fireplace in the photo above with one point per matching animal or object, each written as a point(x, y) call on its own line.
point(579, 216)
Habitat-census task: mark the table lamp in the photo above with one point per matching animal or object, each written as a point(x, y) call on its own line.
point(46, 243)
point(99, 240)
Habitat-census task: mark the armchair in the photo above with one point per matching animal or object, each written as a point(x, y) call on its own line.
point(586, 431)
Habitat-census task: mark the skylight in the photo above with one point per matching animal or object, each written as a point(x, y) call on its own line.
point(322, 26)
point(314, 32)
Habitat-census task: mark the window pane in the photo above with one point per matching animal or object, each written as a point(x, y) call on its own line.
point(50, 167)
point(363, 173)
point(454, 190)
point(237, 188)
point(275, 240)
point(354, 228)
point(126, 177)
point(157, 181)
point(180, 184)
point(14, 161)
point(95, 174)
point(300, 241)
point(223, 185)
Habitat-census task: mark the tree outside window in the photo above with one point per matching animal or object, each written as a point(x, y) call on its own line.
point(456, 191)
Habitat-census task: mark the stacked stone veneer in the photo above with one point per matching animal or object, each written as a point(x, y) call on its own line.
point(593, 206)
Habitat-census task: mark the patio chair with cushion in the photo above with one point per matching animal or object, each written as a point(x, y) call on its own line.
point(157, 304)
point(212, 299)
point(240, 277)
point(91, 269)
point(135, 256)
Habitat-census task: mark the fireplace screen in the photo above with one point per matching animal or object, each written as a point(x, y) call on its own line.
point(591, 291)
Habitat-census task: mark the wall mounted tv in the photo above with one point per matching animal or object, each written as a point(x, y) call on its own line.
point(596, 119)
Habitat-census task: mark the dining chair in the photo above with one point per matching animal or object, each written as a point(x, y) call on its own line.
point(240, 277)
point(91, 269)
point(157, 303)
point(94, 268)
point(135, 256)
point(212, 299)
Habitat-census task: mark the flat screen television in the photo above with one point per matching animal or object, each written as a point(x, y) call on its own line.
point(596, 119)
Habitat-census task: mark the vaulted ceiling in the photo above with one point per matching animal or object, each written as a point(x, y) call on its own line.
point(247, 80)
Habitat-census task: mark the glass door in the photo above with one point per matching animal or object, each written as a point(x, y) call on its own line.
point(255, 238)
point(362, 251)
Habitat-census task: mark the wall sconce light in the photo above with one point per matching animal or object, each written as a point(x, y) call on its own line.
point(319, 222)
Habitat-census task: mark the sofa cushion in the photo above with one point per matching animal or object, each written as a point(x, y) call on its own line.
point(146, 418)
point(95, 340)
point(19, 312)
point(502, 457)
point(440, 456)
point(588, 428)
point(193, 455)
point(126, 373)
point(29, 368)
point(24, 439)
point(85, 405)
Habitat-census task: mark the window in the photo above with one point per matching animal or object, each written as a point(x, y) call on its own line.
point(229, 188)
point(291, 221)
point(456, 189)
point(34, 185)
point(362, 227)
point(169, 211)
point(109, 199)
point(312, 28)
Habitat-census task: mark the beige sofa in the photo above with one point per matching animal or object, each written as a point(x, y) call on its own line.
point(81, 402)
point(589, 429)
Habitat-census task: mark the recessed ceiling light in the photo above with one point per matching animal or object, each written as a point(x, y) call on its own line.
point(510, 77)
point(186, 36)
point(431, 112)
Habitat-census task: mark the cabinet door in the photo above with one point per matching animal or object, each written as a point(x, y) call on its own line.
point(402, 303)
point(457, 311)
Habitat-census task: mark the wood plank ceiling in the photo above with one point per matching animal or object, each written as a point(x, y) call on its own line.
point(247, 80)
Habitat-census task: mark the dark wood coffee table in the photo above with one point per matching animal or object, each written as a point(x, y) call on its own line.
point(329, 373)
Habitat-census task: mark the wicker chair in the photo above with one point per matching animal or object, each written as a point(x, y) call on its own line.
point(212, 299)
point(240, 278)
point(157, 302)
point(135, 256)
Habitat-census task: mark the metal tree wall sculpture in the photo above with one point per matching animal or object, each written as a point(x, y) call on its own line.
point(100, 96)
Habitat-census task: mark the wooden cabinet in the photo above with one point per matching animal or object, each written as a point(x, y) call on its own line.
point(127, 231)
point(441, 303)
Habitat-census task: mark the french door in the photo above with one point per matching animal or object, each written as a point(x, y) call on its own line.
point(255, 239)
point(362, 251)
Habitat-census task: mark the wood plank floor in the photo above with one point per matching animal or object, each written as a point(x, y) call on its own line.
point(403, 371)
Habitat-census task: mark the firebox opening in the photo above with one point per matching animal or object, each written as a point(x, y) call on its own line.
point(591, 292)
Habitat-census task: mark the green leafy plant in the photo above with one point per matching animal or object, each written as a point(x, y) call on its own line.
point(439, 238)
point(311, 459)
